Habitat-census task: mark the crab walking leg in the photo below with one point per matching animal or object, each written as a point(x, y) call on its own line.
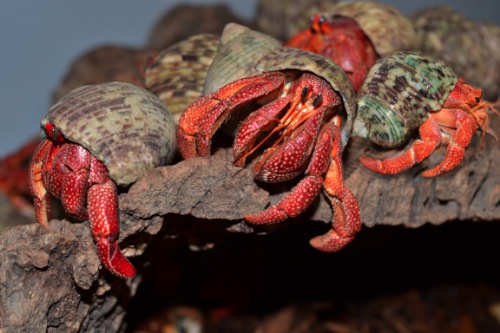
point(37, 188)
point(202, 118)
point(346, 217)
point(430, 135)
point(303, 194)
point(102, 205)
point(459, 139)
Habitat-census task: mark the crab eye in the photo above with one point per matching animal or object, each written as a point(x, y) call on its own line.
point(322, 19)
point(53, 133)
point(318, 100)
point(304, 92)
point(478, 99)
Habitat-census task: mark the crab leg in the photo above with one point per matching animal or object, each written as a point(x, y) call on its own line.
point(203, 117)
point(459, 139)
point(430, 135)
point(102, 205)
point(37, 188)
point(346, 218)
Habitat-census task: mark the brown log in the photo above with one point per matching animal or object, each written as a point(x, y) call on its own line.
point(51, 279)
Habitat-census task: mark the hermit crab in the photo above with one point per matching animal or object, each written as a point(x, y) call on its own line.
point(355, 34)
point(301, 108)
point(408, 91)
point(95, 138)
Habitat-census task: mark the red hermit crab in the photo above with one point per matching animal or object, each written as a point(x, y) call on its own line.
point(301, 108)
point(408, 91)
point(98, 137)
point(355, 34)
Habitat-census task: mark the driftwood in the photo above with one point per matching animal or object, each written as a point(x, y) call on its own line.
point(51, 279)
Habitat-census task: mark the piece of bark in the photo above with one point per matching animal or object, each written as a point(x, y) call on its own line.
point(51, 279)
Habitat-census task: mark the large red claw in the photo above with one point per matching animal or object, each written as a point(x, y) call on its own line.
point(102, 206)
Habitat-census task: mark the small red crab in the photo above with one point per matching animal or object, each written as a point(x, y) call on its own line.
point(99, 137)
point(354, 34)
point(343, 41)
point(72, 174)
point(304, 115)
point(409, 91)
point(302, 107)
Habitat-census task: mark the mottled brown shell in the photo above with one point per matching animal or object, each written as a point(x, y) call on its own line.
point(122, 125)
point(472, 49)
point(386, 27)
point(244, 52)
point(176, 74)
point(398, 94)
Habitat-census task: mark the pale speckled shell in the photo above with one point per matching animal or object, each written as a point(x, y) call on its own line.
point(176, 74)
point(244, 52)
point(399, 93)
point(122, 125)
point(386, 27)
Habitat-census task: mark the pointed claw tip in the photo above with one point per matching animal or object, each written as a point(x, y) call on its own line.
point(114, 261)
point(330, 242)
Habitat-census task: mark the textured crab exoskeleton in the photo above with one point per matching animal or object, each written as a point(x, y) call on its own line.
point(408, 91)
point(355, 34)
point(95, 138)
point(302, 109)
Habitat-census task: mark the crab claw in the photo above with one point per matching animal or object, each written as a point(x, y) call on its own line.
point(346, 223)
point(102, 206)
point(202, 118)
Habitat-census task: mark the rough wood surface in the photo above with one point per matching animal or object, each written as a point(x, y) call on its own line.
point(51, 280)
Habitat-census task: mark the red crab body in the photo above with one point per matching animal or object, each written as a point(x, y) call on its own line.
point(342, 40)
point(299, 112)
point(72, 174)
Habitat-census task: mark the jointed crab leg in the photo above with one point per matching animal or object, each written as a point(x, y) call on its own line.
point(102, 206)
point(346, 217)
point(36, 182)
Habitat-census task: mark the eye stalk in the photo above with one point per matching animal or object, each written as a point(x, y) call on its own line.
point(53, 133)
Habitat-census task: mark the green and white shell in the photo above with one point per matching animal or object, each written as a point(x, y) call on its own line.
point(398, 94)
point(244, 53)
point(177, 73)
point(386, 27)
point(124, 126)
